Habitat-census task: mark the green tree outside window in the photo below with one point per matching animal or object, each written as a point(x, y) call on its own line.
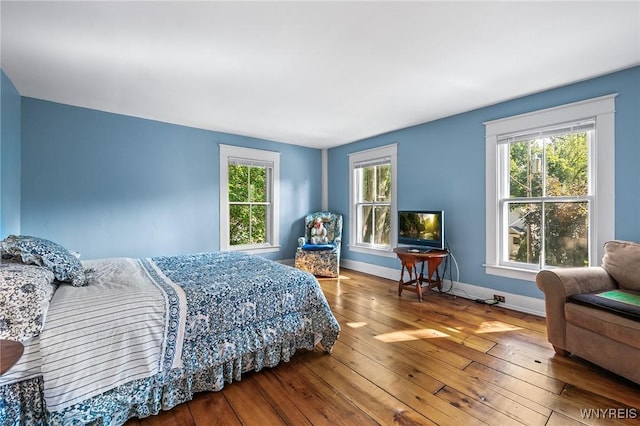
point(548, 206)
point(374, 204)
point(248, 204)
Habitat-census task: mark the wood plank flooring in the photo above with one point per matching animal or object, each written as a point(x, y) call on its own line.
point(446, 361)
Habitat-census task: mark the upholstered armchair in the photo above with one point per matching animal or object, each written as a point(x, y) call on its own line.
point(319, 252)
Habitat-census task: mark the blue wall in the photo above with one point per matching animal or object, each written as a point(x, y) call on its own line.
point(441, 165)
point(112, 185)
point(10, 164)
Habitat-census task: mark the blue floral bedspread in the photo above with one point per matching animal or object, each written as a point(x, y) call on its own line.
point(244, 313)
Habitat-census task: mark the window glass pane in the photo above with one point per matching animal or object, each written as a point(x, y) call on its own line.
point(525, 169)
point(258, 224)
point(239, 224)
point(566, 234)
point(368, 184)
point(565, 173)
point(567, 164)
point(238, 183)
point(365, 222)
point(383, 183)
point(524, 232)
point(382, 225)
point(258, 183)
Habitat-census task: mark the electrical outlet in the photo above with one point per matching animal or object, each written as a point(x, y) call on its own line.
point(498, 298)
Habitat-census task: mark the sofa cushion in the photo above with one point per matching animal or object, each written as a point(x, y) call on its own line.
point(622, 261)
point(621, 302)
point(614, 326)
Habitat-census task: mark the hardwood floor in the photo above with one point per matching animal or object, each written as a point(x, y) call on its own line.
point(444, 361)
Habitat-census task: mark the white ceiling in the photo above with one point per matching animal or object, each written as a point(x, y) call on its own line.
point(317, 74)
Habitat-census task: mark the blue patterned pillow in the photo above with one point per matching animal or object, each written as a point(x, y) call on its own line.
point(38, 251)
point(25, 293)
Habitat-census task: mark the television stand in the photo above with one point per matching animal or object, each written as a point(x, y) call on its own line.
point(410, 258)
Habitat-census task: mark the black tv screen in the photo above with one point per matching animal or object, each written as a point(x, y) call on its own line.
point(423, 228)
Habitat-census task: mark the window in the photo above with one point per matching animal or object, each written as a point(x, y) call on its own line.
point(550, 186)
point(248, 199)
point(372, 190)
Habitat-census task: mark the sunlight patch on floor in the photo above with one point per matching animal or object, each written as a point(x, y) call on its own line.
point(495, 327)
point(339, 278)
point(407, 335)
point(356, 324)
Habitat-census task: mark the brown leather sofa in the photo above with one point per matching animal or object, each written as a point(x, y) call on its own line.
point(607, 333)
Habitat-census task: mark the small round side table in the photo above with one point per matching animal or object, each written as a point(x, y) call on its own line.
point(10, 353)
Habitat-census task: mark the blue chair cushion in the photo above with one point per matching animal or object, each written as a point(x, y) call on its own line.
point(318, 247)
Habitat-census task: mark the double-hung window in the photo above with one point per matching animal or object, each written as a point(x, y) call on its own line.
point(372, 193)
point(248, 199)
point(550, 184)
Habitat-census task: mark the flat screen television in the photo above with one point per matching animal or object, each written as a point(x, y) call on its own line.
point(423, 228)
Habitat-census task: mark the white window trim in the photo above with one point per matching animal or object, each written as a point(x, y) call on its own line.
point(227, 151)
point(390, 151)
point(603, 178)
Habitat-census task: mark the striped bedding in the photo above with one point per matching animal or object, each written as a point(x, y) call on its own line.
point(108, 333)
point(146, 334)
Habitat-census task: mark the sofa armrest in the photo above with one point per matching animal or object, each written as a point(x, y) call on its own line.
point(557, 285)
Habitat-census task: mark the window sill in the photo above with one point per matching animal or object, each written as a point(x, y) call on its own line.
point(255, 249)
point(507, 272)
point(373, 251)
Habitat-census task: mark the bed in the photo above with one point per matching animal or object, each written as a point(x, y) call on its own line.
point(111, 339)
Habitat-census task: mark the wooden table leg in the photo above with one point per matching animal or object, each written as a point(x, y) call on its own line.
point(419, 290)
point(401, 282)
point(419, 282)
point(412, 270)
point(438, 280)
point(432, 268)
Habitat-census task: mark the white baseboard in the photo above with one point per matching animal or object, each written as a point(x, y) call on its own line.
point(516, 302)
